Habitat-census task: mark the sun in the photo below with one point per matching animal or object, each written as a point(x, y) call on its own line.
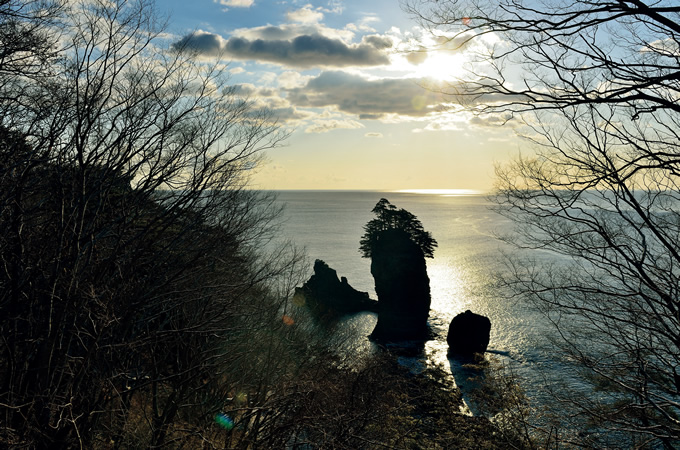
point(442, 66)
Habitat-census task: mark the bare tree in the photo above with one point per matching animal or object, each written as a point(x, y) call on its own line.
point(596, 85)
point(26, 35)
point(131, 249)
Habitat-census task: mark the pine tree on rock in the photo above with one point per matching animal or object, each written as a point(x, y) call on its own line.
point(397, 245)
point(391, 218)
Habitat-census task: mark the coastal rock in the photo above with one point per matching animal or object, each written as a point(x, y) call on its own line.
point(403, 287)
point(468, 334)
point(325, 295)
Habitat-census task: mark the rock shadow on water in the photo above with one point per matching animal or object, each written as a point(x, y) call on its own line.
point(486, 388)
point(403, 348)
point(469, 373)
point(468, 340)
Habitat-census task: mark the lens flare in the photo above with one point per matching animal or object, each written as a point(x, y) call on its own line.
point(299, 299)
point(224, 421)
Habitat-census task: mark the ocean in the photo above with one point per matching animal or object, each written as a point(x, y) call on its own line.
point(463, 272)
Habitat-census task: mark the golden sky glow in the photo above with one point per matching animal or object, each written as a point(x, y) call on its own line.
point(347, 79)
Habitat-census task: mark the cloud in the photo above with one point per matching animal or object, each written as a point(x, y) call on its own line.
point(368, 98)
point(249, 90)
point(307, 51)
point(266, 77)
point(371, 116)
point(334, 7)
point(667, 47)
point(454, 43)
point(305, 15)
point(292, 79)
point(302, 51)
point(363, 24)
point(417, 47)
point(417, 57)
point(202, 42)
point(268, 98)
point(492, 120)
point(289, 31)
point(324, 126)
point(438, 126)
point(236, 3)
point(373, 135)
point(289, 114)
point(377, 41)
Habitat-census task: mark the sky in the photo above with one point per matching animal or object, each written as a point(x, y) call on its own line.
point(354, 84)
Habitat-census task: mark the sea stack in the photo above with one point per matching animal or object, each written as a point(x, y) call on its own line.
point(403, 287)
point(327, 296)
point(468, 334)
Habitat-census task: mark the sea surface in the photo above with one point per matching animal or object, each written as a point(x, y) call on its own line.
point(463, 274)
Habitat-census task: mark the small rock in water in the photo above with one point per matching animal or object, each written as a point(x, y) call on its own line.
point(468, 334)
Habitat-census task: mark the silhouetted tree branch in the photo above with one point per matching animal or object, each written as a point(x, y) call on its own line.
point(596, 85)
point(131, 251)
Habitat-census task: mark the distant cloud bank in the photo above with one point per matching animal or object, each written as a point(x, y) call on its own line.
point(320, 78)
point(303, 51)
point(370, 99)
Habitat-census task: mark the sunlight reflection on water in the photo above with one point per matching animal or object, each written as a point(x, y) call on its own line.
point(462, 272)
point(441, 192)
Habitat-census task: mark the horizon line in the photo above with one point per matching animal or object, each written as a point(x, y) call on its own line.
point(442, 192)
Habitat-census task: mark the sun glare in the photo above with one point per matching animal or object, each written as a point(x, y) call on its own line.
point(442, 192)
point(443, 66)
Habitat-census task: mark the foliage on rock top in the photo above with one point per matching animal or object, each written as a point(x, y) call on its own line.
point(389, 217)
